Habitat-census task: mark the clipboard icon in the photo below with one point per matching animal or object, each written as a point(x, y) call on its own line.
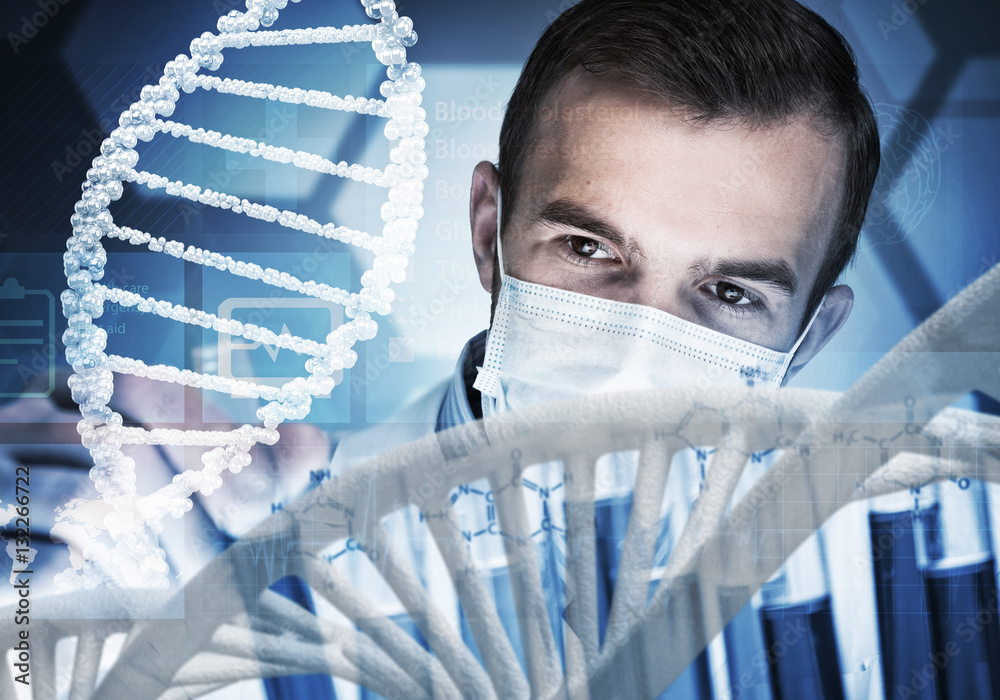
point(27, 338)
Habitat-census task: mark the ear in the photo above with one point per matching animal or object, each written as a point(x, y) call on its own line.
point(483, 217)
point(836, 308)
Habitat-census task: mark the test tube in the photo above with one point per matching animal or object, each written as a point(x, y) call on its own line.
point(687, 474)
point(478, 520)
point(954, 552)
point(614, 479)
point(796, 618)
point(782, 645)
point(901, 601)
point(614, 483)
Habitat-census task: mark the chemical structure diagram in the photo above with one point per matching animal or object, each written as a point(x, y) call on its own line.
point(469, 512)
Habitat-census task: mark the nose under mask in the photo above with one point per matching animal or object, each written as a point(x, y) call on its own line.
point(547, 344)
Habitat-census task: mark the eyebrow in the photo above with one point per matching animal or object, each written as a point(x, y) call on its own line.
point(776, 273)
point(566, 212)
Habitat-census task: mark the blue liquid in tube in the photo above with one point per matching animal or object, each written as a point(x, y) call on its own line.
point(803, 663)
point(497, 580)
point(901, 605)
point(695, 682)
point(965, 633)
point(610, 527)
point(782, 644)
point(552, 562)
point(955, 556)
point(745, 656)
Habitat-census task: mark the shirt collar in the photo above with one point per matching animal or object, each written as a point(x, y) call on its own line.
point(458, 407)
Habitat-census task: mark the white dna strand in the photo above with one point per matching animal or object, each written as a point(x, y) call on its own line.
point(130, 555)
point(901, 406)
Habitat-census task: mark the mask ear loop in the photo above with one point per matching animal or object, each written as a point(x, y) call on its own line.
point(499, 247)
point(802, 336)
point(487, 382)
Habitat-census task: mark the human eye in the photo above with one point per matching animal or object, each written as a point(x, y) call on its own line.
point(732, 297)
point(584, 249)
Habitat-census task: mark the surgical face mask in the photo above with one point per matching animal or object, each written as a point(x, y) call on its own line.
point(547, 344)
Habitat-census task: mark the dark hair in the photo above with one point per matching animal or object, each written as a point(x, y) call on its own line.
point(758, 63)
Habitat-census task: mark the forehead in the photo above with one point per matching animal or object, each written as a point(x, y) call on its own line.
point(683, 188)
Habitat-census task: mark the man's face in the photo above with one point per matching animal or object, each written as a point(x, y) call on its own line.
point(718, 224)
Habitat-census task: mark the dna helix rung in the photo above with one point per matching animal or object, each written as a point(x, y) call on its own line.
point(251, 271)
point(93, 383)
point(276, 154)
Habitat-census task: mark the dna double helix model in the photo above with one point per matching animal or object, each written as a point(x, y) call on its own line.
point(129, 555)
point(184, 644)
